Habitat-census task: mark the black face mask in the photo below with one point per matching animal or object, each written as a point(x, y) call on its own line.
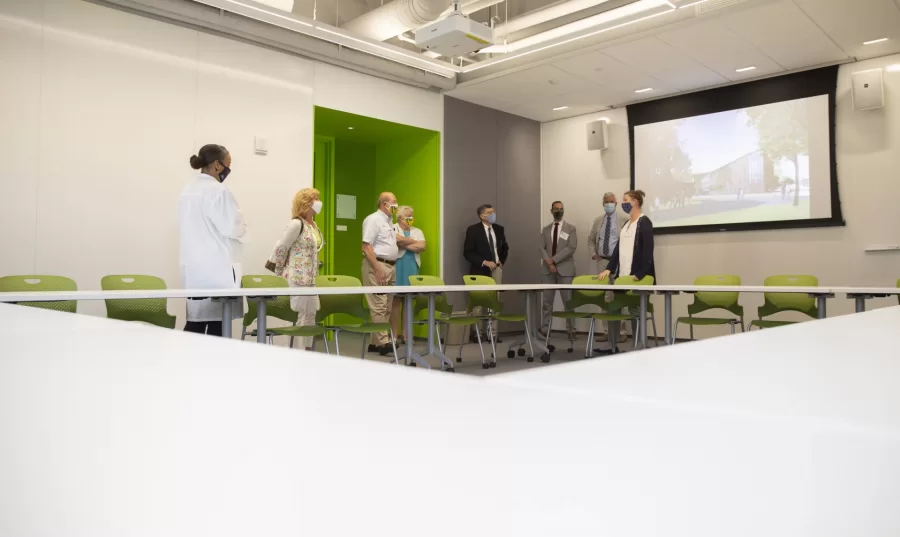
point(557, 215)
point(224, 173)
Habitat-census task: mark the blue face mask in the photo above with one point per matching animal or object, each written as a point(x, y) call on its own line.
point(626, 206)
point(609, 208)
point(492, 218)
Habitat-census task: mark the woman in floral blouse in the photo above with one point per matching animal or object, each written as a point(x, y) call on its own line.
point(296, 256)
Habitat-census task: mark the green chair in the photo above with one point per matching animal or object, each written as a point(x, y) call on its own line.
point(37, 283)
point(578, 299)
point(489, 301)
point(279, 308)
point(146, 310)
point(444, 315)
point(781, 302)
point(350, 316)
point(705, 301)
point(621, 300)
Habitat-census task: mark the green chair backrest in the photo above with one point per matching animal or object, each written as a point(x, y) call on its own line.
point(27, 284)
point(146, 310)
point(347, 309)
point(799, 302)
point(629, 299)
point(280, 308)
point(483, 299)
point(588, 298)
point(440, 302)
point(715, 300)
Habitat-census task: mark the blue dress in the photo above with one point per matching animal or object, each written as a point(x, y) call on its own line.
point(406, 265)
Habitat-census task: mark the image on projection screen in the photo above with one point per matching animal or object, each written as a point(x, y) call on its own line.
point(760, 164)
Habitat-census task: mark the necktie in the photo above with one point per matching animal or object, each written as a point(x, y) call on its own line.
point(555, 236)
point(606, 237)
point(491, 242)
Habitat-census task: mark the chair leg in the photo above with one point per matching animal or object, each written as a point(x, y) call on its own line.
point(493, 343)
point(462, 340)
point(325, 339)
point(528, 339)
point(394, 347)
point(655, 337)
point(480, 345)
point(291, 345)
point(590, 339)
point(675, 334)
point(732, 323)
point(337, 343)
point(243, 332)
point(437, 334)
point(742, 324)
point(365, 339)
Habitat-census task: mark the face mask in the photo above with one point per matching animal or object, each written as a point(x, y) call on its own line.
point(317, 206)
point(491, 218)
point(224, 173)
point(626, 206)
point(409, 220)
point(609, 208)
point(393, 209)
point(557, 215)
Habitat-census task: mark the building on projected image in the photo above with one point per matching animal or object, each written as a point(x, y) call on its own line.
point(753, 173)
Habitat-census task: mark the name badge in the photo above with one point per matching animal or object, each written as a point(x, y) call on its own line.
point(564, 236)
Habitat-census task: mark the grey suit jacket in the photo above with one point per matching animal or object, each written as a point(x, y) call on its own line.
point(594, 235)
point(565, 249)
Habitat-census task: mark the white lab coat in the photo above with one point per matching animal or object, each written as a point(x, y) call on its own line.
point(212, 229)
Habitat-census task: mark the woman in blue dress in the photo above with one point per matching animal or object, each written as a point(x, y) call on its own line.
point(411, 242)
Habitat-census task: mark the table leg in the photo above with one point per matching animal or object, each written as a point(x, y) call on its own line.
point(534, 342)
point(860, 304)
point(820, 302)
point(226, 318)
point(642, 320)
point(411, 355)
point(668, 317)
point(261, 321)
point(432, 350)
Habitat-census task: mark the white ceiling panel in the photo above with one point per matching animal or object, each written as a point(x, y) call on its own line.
point(607, 71)
point(664, 62)
point(852, 22)
point(784, 33)
point(537, 82)
point(720, 49)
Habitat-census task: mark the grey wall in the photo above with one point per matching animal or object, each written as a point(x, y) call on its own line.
point(492, 157)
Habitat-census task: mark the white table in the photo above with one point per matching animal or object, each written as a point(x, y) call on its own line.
point(114, 429)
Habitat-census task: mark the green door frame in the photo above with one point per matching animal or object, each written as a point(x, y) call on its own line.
point(323, 181)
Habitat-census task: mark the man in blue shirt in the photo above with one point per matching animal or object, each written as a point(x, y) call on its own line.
point(602, 239)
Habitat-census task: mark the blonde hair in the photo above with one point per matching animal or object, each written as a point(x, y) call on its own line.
point(303, 201)
point(404, 209)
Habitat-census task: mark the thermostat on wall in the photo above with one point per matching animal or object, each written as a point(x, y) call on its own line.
point(260, 145)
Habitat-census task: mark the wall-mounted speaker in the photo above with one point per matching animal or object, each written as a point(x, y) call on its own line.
point(597, 135)
point(867, 88)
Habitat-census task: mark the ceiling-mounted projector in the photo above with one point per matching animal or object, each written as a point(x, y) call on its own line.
point(455, 35)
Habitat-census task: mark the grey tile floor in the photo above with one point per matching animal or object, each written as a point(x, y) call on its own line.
point(351, 345)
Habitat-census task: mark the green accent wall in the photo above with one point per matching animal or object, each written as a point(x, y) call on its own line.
point(354, 166)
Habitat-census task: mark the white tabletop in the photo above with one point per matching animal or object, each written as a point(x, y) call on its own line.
point(114, 429)
point(401, 289)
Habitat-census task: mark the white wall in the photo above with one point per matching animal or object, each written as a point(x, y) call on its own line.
point(868, 150)
point(101, 110)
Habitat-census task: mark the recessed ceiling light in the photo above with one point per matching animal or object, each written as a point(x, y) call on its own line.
point(872, 42)
point(895, 68)
point(745, 69)
point(350, 128)
point(643, 90)
point(560, 108)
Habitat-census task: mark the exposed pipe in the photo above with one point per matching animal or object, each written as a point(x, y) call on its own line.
point(540, 16)
point(394, 18)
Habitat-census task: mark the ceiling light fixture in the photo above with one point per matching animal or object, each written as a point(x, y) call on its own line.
point(745, 69)
point(895, 68)
point(341, 38)
point(692, 4)
point(872, 42)
point(558, 108)
point(553, 33)
point(643, 90)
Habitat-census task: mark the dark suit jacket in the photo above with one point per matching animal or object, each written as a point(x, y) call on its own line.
point(642, 262)
point(477, 250)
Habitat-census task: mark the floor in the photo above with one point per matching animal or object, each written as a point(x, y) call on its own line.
point(471, 357)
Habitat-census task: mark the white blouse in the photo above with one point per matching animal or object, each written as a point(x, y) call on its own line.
point(626, 246)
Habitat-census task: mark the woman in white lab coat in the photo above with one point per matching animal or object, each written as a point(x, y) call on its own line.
point(211, 228)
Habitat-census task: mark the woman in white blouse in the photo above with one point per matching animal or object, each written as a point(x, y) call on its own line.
point(296, 256)
point(633, 255)
point(411, 242)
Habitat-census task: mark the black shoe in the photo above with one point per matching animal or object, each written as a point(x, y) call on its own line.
point(373, 348)
point(386, 349)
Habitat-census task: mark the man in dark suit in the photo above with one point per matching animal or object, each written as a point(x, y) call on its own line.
point(486, 248)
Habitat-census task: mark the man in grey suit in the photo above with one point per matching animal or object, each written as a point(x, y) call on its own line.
point(558, 242)
point(602, 239)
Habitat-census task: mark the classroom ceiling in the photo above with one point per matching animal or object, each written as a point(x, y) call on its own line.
point(705, 49)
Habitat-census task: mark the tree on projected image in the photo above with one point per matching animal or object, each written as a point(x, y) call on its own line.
point(667, 167)
point(783, 134)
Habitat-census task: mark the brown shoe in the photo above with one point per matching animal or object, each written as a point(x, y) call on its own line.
point(602, 337)
point(623, 338)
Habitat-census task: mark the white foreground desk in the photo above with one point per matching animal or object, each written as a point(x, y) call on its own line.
point(114, 429)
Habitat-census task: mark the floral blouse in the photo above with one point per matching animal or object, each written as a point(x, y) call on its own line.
point(296, 255)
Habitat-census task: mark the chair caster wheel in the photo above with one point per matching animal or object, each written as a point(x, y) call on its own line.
point(413, 364)
point(571, 350)
point(545, 358)
point(510, 354)
point(493, 364)
point(459, 360)
point(485, 366)
point(551, 348)
point(521, 352)
point(450, 370)
point(530, 359)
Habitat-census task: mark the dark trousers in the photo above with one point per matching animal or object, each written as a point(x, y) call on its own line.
point(210, 328)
